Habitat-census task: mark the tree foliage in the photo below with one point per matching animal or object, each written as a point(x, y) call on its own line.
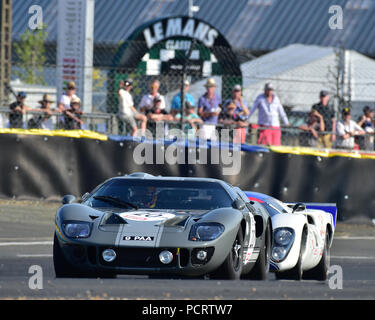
point(30, 51)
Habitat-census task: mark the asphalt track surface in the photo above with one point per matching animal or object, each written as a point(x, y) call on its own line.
point(26, 231)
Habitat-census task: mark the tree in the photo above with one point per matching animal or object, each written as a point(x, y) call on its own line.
point(339, 77)
point(31, 54)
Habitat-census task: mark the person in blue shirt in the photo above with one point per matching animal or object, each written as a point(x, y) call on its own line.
point(176, 101)
point(192, 120)
point(241, 105)
point(209, 108)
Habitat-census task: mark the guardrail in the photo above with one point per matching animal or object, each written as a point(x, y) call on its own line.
point(110, 124)
point(99, 122)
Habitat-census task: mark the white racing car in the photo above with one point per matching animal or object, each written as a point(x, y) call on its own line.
point(302, 237)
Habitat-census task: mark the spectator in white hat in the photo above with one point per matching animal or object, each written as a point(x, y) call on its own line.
point(209, 110)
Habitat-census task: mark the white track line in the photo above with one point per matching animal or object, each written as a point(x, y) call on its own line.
point(34, 255)
point(353, 238)
point(353, 258)
point(31, 243)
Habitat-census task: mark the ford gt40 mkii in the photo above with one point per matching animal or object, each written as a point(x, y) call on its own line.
point(171, 226)
point(302, 237)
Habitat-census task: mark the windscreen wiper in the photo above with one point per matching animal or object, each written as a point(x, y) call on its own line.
point(116, 201)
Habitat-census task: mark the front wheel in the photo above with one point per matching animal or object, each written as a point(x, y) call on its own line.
point(320, 272)
point(295, 273)
point(261, 268)
point(63, 269)
point(231, 268)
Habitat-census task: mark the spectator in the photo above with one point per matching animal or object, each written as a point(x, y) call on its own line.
point(326, 110)
point(366, 122)
point(241, 105)
point(269, 110)
point(346, 130)
point(157, 113)
point(147, 101)
point(176, 101)
point(42, 121)
point(234, 118)
point(17, 110)
point(310, 130)
point(127, 111)
point(67, 96)
point(72, 116)
point(209, 110)
point(64, 101)
point(191, 119)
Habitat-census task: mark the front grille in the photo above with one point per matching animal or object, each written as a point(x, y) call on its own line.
point(184, 257)
point(91, 254)
point(143, 258)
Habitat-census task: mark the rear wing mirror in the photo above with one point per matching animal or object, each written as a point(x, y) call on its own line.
point(68, 199)
point(238, 204)
point(299, 206)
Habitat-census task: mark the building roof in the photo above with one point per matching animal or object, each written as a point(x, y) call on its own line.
point(298, 73)
point(260, 25)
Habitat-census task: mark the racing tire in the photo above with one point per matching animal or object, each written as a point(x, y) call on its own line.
point(261, 269)
point(231, 268)
point(293, 274)
point(63, 269)
point(320, 272)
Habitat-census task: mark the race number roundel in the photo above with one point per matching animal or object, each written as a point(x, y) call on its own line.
point(147, 216)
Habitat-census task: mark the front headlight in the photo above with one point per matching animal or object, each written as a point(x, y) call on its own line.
point(283, 239)
point(77, 229)
point(283, 236)
point(206, 231)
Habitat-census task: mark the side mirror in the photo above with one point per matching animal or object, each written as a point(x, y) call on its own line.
point(68, 199)
point(299, 207)
point(238, 204)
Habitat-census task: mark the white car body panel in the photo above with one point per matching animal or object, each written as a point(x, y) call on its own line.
point(315, 221)
point(316, 226)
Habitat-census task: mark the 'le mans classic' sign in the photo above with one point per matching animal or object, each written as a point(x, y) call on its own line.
point(161, 47)
point(158, 41)
point(179, 27)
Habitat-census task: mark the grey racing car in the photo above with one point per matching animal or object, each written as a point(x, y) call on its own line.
point(170, 226)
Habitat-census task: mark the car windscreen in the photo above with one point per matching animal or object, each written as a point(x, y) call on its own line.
point(160, 194)
point(274, 206)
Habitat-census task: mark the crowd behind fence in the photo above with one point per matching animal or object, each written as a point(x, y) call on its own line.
point(297, 90)
point(110, 124)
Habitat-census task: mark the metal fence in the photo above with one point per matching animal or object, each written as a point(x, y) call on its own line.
point(99, 122)
point(111, 124)
point(297, 72)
